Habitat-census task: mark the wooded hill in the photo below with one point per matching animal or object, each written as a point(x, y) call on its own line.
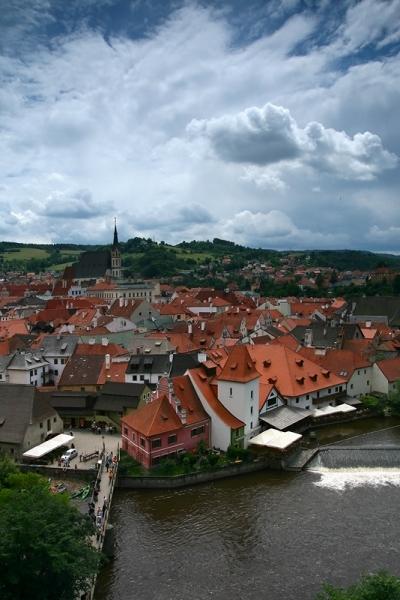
point(147, 258)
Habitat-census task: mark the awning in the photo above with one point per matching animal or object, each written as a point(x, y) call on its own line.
point(284, 416)
point(330, 410)
point(272, 438)
point(63, 439)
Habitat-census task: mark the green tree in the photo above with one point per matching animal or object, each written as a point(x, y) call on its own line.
point(45, 548)
point(394, 399)
point(380, 586)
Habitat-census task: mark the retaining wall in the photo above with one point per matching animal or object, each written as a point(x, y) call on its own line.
point(177, 481)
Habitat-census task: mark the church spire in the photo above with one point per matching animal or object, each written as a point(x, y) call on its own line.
point(115, 242)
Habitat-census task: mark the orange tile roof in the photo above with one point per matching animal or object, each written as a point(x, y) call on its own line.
point(12, 327)
point(291, 373)
point(154, 418)
point(116, 373)
point(100, 350)
point(390, 368)
point(239, 367)
point(202, 382)
point(184, 390)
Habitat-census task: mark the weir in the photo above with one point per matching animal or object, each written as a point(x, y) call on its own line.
point(351, 457)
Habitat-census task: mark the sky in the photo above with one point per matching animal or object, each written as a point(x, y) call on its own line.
point(274, 124)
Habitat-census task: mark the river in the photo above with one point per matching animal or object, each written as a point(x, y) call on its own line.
point(272, 536)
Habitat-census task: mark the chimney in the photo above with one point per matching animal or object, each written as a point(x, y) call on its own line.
point(203, 326)
point(108, 361)
point(182, 415)
point(308, 338)
point(190, 328)
point(121, 302)
point(126, 301)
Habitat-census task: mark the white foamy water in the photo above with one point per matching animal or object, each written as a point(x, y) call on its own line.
point(341, 479)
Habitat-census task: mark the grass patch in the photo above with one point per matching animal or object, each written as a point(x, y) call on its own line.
point(25, 254)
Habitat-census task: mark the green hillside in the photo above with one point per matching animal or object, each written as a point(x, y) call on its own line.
point(199, 260)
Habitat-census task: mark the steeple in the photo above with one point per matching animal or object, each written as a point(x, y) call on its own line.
point(116, 270)
point(115, 242)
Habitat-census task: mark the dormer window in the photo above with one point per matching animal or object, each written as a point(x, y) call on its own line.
point(299, 362)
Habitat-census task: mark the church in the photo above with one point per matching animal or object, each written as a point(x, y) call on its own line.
point(96, 265)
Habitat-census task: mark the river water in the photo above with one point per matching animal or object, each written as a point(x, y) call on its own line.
point(272, 536)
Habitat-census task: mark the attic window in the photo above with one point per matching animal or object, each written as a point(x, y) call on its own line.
point(234, 366)
point(267, 363)
point(313, 376)
point(250, 365)
point(203, 376)
point(272, 379)
point(2, 421)
point(299, 362)
point(181, 387)
point(326, 373)
point(203, 341)
point(300, 380)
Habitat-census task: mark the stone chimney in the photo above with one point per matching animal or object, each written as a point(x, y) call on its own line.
point(108, 361)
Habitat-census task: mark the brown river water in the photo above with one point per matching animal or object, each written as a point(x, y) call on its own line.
point(264, 536)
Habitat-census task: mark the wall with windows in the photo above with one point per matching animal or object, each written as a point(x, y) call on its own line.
point(242, 400)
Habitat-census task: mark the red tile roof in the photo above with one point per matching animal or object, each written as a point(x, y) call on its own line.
point(203, 383)
point(154, 418)
point(390, 368)
point(239, 367)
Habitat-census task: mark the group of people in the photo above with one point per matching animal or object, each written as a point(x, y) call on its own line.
point(97, 428)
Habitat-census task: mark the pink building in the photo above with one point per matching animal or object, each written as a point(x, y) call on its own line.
point(168, 425)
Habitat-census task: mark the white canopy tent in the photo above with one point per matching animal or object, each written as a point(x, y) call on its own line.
point(63, 439)
point(272, 438)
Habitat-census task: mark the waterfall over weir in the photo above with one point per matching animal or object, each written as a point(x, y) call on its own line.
point(344, 467)
point(350, 457)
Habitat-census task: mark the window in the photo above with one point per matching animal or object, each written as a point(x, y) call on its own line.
point(351, 386)
point(251, 410)
point(367, 381)
point(329, 390)
point(41, 425)
point(56, 361)
point(142, 442)
point(251, 394)
point(125, 431)
point(35, 371)
point(230, 392)
point(142, 378)
point(48, 424)
point(297, 400)
point(133, 436)
point(308, 407)
point(197, 431)
point(55, 371)
point(54, 419)
point(308, 397)
point(172, 439)
point(156, 443)
point(271, 402)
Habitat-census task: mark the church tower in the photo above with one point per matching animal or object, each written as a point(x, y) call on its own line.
point(116, 270)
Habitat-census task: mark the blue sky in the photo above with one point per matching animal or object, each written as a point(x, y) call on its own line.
point(270, 123)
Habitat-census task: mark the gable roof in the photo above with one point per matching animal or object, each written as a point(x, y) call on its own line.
point(82, 370)
point(203, 384)
point(154, 418)
point(390, 368)
point(290, 372)
point(20, 405)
